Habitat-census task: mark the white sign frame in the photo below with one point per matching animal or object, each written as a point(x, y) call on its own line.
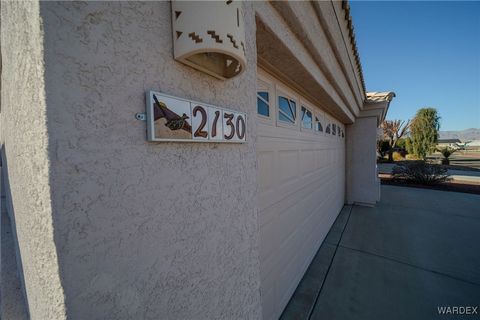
point(197, 133)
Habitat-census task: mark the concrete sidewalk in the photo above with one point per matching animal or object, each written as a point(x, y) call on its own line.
point(416, 251)
point(456, 175)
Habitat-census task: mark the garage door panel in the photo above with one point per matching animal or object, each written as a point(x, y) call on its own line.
point(278, 144)
point(287, 165)
point(288, 279)
point(285, 222)
point(299, 236)
point(278, 190)
point(296, 266)
point(268, 302)
point(278, 231)
point(307, 161)
point(277, 264)
point(277, 199)
point(294, 218)
point(288, 192)
point(265, 170)
point(285, 284)
point(279, 236)
point(285, 202)
point(320, 157)
point(300, 193)
point(270, 240)
point(292, 136)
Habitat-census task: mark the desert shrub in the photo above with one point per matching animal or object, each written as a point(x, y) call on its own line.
point(446, 153)
point(408, 145)
point(411, 157)
point(402, 143)
point(420, 172)
point(397, 156)
point(424, 132)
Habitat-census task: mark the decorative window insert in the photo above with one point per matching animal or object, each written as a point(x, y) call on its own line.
point(343, 134)
point(306, 118)
point(287, 110)
point(328, 130)
point(263, 103)
point(334, 129)
point(318, 125)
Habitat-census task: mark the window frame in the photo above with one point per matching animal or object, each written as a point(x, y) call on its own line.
point(328, 125)
point(312, 115)
point(265, 84)
point(276, 88)
point(292, 107)
point(321, 120)
point(283, 92)
point(267, 102)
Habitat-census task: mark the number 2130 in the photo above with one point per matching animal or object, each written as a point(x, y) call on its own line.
point(209, 123)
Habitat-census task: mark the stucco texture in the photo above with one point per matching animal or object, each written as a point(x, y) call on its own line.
point(363, 185)
point(145, 230)
point(25, 159)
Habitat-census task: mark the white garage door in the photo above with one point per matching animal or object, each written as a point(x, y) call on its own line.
point(301, 175)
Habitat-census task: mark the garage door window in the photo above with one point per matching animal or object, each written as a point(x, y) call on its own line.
point(306, 118)
point(263, 107)
point(328, 129)
point(287, 110)
point(318, 125)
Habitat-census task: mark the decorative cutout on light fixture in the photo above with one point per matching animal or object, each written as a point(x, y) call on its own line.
point(229, 36)
point(208, 24)
point(215, 36)
point(195, 37)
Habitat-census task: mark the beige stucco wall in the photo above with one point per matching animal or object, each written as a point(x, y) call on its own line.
point(363, 185)
point(24, 136)
point(111, 226)
point(145, 230)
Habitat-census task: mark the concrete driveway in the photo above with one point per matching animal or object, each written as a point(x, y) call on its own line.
point(417, 251)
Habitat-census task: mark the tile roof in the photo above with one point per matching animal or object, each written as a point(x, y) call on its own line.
point(353, 43)
point(380, 96)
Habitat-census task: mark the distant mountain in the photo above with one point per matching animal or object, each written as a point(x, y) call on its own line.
point(463, 135)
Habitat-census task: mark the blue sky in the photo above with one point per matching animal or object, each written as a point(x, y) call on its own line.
point(427, 52)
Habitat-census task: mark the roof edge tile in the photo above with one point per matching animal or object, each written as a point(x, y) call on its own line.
point(353, 42)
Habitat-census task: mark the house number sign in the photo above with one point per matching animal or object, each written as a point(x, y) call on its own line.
point(176, 119)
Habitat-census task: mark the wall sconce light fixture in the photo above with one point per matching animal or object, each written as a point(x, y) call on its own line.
point(209, 36)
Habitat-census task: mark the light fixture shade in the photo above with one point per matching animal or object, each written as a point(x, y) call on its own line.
point(210, 36)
